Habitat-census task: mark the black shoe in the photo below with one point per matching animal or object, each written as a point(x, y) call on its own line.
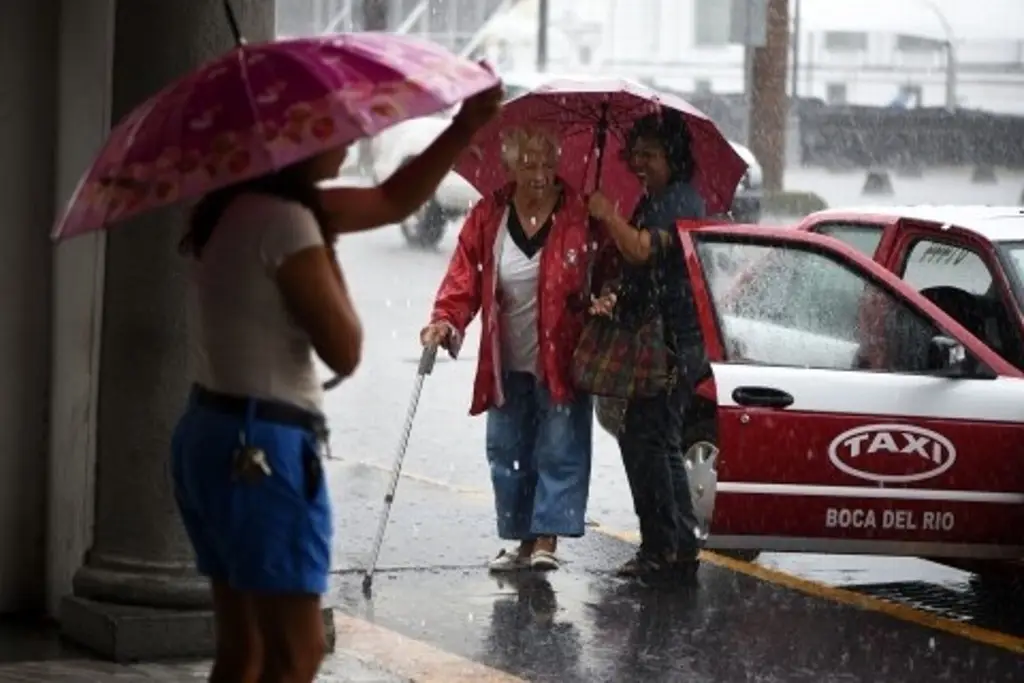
point(686, 568)
point(642, 566)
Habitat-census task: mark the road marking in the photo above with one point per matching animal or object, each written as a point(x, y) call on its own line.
point(847, 597)
point(430, 481)
point(411, 659)
point(774, 576)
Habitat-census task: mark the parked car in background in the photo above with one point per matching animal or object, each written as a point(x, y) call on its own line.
point(863, 406)
point(455, 195)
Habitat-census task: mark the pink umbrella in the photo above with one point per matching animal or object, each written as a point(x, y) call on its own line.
point(592, 120)
point(260, 108)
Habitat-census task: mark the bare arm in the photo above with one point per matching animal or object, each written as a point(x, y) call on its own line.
point(315, 292)
point(634, 244)
point(355, 209)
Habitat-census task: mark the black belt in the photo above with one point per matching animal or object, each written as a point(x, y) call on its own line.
point(262, 410)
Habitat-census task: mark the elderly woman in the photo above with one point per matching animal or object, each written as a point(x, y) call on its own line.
point(521, 262)
point(650, 437)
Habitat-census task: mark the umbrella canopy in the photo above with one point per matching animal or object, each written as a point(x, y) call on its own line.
point(258, 109)
point(592, 120)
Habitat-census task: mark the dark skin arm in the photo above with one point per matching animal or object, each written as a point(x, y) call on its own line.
point(634, 245)
point(355, 209)
point(315, 292)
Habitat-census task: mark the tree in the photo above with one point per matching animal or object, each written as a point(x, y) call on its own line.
point(769, 102)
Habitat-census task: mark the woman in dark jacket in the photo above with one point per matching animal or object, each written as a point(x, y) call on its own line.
point(653, 277)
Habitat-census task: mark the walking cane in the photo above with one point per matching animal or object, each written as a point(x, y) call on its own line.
point(426, 366)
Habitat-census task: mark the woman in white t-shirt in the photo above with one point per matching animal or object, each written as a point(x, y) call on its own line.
point(246, 453)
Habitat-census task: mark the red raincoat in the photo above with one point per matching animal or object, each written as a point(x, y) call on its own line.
point(471, 285)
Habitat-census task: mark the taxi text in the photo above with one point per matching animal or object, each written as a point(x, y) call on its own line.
point(904, 520)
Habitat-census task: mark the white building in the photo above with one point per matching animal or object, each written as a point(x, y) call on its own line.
point(868, 52)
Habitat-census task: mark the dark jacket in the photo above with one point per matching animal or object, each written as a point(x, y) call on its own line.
point(668, 291)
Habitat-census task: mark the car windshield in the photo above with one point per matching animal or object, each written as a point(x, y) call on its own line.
point(1012, 256)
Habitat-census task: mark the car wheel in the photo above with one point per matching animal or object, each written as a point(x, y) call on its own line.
point(426, 226)
point(700, 455)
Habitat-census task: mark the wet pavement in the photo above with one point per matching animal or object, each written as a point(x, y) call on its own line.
point(583, 624)
point(437, 616)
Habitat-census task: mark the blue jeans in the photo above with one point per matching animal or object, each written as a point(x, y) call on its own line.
point(267, 534)
point(539, 453)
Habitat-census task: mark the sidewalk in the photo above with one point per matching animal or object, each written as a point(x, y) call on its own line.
point(341, 667)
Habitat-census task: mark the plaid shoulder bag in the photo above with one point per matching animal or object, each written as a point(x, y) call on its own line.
point(614, 361)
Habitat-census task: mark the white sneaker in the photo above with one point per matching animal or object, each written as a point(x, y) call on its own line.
point(544, 560)
point(509, 561)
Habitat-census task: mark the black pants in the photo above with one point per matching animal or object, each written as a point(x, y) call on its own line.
point(651, 444)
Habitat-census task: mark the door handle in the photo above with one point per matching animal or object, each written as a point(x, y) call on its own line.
point(762, 397)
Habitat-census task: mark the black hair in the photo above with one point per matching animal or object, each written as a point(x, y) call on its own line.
point(669, 128)
point(291, 184)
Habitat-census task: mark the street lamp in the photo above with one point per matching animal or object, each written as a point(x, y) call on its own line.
point(951, 62)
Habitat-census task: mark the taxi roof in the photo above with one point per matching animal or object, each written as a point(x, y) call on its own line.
point(993, 223)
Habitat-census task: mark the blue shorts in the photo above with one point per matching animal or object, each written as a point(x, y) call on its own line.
point(269, 534)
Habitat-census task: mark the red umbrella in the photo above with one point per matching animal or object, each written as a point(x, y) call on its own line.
point(592, 120)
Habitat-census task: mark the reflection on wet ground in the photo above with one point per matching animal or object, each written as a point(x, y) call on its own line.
point(575, 627)
point(582, 624)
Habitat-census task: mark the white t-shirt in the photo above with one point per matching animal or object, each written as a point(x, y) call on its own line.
point(245, 340)
point(517, 279)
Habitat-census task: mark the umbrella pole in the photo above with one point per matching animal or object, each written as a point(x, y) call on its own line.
point(601, 141)
point(233, 22)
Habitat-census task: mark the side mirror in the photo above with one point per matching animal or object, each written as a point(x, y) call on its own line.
point(948, 358)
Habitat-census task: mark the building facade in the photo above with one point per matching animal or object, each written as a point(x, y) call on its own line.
point(871, 52)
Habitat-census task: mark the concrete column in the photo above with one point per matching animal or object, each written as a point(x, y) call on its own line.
point(86, 38)
point(27, 70)
point(137, 596)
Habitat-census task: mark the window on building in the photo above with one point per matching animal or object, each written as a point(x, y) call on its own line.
point(846, 41)
point(711, 23)
point(911, 95)
point(702, 86)
point(836, 93)
point(586, 55)
point(918, 45)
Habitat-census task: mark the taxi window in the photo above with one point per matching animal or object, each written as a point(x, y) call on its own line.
point(931, 263)
point(861, 236)
point(798, 307)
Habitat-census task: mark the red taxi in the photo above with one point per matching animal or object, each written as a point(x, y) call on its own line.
point(846, 411)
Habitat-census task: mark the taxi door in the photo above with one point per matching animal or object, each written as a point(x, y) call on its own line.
point(919, 455)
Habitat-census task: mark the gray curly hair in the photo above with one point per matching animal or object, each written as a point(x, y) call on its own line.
point(516, 141)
